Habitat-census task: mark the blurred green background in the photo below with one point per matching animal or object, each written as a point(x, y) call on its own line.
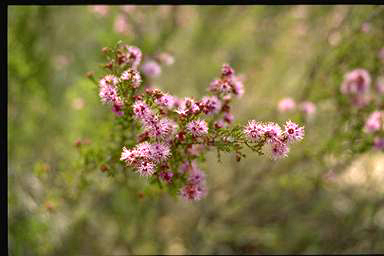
point(326, 197)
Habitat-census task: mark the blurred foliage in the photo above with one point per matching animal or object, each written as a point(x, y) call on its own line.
point(326, 197)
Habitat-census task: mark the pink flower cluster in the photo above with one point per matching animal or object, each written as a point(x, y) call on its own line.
point(277, 140)
point(228, 83)
point(145, 156)
point(195, 188)
point(174, 133)
point(356, 85)
point(108, 93)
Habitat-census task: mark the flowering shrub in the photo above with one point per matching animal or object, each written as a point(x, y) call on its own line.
point(356, 86)
point(164, 137)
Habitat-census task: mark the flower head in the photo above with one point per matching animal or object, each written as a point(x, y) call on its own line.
point(146, 168)
point(151, 68)
point(374, 122)
point(193, 192)
point(196, 176)
point(197, 128)
point(118, 107)
point(166, 100)
point(109, 80)
point(356, 82)
point(133, 56)
point(293, 132)
point(108, 94)
point(160, 152)
point(133, 76)
point(254, 130)
point(166, 176)
point(210, 105)
point(276, 150)
point(272, 132)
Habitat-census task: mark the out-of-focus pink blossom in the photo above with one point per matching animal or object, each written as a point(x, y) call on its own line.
point(366, 27)
point(356, 82)
point(308, 108)
point(151, 68)
point(133, 76)
point(102, 10)
point(210, 105)
point(286, 104)
point(374, 122)
point(121, 25)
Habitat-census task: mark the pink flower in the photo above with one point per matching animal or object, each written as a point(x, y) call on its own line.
point(272, 132)
point(128, 155)
point(359, 100)
point(151, 68)
point(146, 168)
point(118, 106)
point(197, 128)
point(254, 130)
point(187, 107)
point(308, 108)
point(196, 176)
point(378, 143)
point(166, 176)
point(227, 71)
point(293, 132)
point(133, 56)
point(160, 152)
point(108, 94)
point(238, 87)
point(145, 151)
point(166, 100)
point(228, 117)
point(286, 104)
point(219, 123)
point(374, 122)
point(109, 80)
point(143, 112)
point(356, 82)
point(223, 86)
point(133, 76)
point(192, 192)
point(162, 129)
point(276, 150)
point(210, 105)
point(366, 27)
point(121, 25)
point(187, 166)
